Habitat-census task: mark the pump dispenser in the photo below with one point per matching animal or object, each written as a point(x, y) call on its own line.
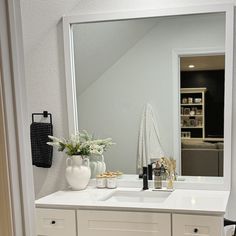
point(157, 177)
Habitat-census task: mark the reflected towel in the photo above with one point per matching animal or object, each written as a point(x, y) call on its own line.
point(149, 144)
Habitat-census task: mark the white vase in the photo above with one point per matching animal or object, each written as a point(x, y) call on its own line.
point(77, 172)
point(97, 165)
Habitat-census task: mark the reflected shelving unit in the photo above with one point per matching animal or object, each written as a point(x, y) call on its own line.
point(192, 110)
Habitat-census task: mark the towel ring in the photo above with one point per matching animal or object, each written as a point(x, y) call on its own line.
point(45, 114)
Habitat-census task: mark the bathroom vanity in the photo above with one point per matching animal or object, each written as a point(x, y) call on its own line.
point(132, 211)
point(105, 81)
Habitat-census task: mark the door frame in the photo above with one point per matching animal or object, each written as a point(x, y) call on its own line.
point(16, 119)
point(176, 55)
point(6, 221)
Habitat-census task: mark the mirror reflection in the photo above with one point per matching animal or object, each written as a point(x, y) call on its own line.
point(124, 85)
point(202, 115)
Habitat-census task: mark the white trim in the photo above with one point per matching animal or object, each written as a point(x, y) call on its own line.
point(16, 116)
point(158, 12)
point(7, 91)
point(70, 73)
point(229, 63)
point(85, 18)
point(193, 90)
point(6, 205)
point(177, 53)
point(21, 117)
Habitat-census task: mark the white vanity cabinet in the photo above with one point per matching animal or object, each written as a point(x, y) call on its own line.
point(55, 222)
point(58, 222)
point(191, 225)
point(117, 223)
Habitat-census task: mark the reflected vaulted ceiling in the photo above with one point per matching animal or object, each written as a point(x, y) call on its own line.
point(98, 46)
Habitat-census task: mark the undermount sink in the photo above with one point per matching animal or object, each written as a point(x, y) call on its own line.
point(137, 196)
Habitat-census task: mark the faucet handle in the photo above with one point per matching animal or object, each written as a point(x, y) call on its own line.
point(150, 171)
point(145, 182)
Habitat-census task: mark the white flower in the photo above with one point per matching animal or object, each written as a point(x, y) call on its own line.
point(96, 149)
point(81, 143)
point(74, 139)
point(55, 141)
point(85, 135)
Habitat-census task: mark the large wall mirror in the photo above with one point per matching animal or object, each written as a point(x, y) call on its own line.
point(157, 83)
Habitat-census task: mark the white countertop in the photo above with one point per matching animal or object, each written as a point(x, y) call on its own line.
point(180, 201)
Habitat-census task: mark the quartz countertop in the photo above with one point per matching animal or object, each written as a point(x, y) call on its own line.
point(207, 202)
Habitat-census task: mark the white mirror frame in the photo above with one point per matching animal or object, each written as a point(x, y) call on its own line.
point(228, 9)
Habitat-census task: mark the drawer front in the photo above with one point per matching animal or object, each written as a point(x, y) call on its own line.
point(53, 222)
point(195, 225)
point(116, 223)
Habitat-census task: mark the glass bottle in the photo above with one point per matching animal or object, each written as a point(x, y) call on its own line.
point(163, 173)
point(157, 178)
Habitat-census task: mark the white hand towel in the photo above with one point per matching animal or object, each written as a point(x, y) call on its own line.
point(149, 144)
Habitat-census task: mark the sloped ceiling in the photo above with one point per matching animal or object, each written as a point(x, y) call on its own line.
point(97, 46)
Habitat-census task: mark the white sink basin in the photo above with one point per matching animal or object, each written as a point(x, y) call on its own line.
point(137, 196)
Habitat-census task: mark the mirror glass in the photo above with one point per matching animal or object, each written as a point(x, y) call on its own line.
point(126, 90)
point(202, 115)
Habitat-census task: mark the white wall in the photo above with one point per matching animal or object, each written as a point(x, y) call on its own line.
point(45, 77)
point(112, 105)
point(45, 73)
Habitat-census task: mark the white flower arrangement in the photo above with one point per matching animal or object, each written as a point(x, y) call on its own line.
point(82, 144)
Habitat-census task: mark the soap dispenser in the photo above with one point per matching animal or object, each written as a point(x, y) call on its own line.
point(157, 177)
point(163, 172)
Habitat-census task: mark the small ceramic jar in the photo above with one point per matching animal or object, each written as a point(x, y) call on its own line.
point(112, 182)
point(100, 182)
point(184, 100)
point(190, 100)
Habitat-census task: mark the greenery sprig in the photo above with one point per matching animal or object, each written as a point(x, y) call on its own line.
point(82, 144)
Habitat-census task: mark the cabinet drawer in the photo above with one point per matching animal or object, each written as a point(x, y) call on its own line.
point(195, 225)
point(53, 222)
point(117, 223)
